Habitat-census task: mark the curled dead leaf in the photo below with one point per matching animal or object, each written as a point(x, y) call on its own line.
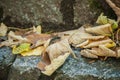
point(9, 42)
point(100, 30)
point(77, 38)
point(97, 43)
point(59, 48)
point(88, 53)
point(89, 39)
point(104, 51)
point(3, 29)
point(118, 53)
point(93, 37)
point(54, 56)
point(37, 39)
point(96, 52)
point(83, 44)
point(17, 37)
point(37, 29)
point(107, 51)
point(55, 64)
point(65, 34)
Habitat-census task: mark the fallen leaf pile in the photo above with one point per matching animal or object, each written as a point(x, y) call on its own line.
point(96, 42)
point(32, 42)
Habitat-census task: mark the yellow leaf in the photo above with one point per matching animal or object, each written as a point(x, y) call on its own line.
point(102, 19)
point(109, 45)
point(36, 51)
point(21, 48)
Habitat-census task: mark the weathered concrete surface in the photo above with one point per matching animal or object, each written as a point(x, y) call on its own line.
point(24, 68)
point(6, 60)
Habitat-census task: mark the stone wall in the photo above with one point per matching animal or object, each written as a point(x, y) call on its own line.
point(52, 14)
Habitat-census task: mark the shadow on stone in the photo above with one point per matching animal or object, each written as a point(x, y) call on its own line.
point(1, 14)
point(6, 60)
point(68, 12)
point(24, 68)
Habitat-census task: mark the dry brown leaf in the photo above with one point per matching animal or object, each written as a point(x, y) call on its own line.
point(55, 64)
point(37, 39)
point(118, 53)
point(88, 40)
point(77, 38)
point(93, 37)
point(37, 51)
point(59, 48)
point(98, 52)
point(54, 56)
point(65, 34)
point(83, 44)
point(3, 29)
point(9, 43)
point(13, 39)
point(97, 43)
point(87, 53)
point(100, 30)
point(37, 29)
point(17, 37)
point(104, 51)
point(107, 51)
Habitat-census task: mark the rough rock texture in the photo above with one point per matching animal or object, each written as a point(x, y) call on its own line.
point(87, 11)
point(105, 8)
point(1, 14)
point(24, 68)
point(81, 69)
point(6, 60)
point(83, 13)
point(52, 14)
point(32, 11)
